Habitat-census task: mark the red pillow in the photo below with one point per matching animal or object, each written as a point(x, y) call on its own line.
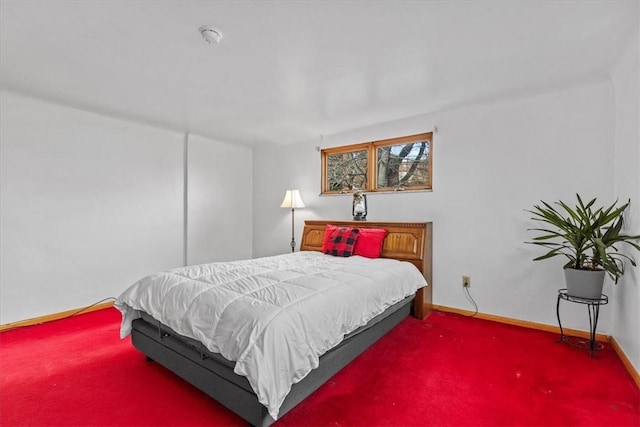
point(341, 241)
point(327, 234)
point(370, 242)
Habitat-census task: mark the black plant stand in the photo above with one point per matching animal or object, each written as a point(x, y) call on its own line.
point(593, 307)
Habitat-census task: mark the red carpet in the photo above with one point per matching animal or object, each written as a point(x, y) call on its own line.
point(446, 371)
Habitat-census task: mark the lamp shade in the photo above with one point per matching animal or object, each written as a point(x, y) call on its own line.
point(292, 200)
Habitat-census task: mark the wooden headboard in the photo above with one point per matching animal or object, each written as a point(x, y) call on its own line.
point(405, 241)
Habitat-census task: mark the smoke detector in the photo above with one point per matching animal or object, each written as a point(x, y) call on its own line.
point(210, 35)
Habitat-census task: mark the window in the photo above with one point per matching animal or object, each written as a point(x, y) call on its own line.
point(395, 164)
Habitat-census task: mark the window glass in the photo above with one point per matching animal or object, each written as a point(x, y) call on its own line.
point(347, 171)
point(403, 166)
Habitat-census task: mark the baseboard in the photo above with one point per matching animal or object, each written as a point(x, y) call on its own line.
point(549, 328)
point(625, 361)
point(54, 316)
point(524, 323)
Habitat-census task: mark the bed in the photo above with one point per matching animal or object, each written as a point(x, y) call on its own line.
point(208, 364)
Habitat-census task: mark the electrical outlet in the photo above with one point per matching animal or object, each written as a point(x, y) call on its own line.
point(466, 281)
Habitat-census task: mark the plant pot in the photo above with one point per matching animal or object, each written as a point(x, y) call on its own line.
point(584, 283)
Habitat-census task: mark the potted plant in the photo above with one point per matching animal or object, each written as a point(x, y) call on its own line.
point(587, 236)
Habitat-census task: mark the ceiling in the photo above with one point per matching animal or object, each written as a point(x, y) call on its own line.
point(290, 71)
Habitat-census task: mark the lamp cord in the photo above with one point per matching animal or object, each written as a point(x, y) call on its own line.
point(470, 298)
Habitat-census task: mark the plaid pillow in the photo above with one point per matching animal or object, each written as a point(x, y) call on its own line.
point(342, 241)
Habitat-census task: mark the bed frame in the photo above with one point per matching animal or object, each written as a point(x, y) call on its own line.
point(214, 375)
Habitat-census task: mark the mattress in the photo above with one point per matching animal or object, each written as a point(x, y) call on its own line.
point(271, 317)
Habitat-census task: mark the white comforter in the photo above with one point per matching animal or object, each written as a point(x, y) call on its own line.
point(273, 316)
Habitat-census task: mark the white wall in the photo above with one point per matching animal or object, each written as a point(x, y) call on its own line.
point(219, 201)
point(490, 163)
point(626, 302)
point(89, 204)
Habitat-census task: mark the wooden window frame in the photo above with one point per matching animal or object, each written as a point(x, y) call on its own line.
point(372, 163)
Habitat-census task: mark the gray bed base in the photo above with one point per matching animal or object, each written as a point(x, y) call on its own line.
point(214, 375)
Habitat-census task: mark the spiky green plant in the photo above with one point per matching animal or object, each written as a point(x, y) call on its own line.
point(586, 235)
